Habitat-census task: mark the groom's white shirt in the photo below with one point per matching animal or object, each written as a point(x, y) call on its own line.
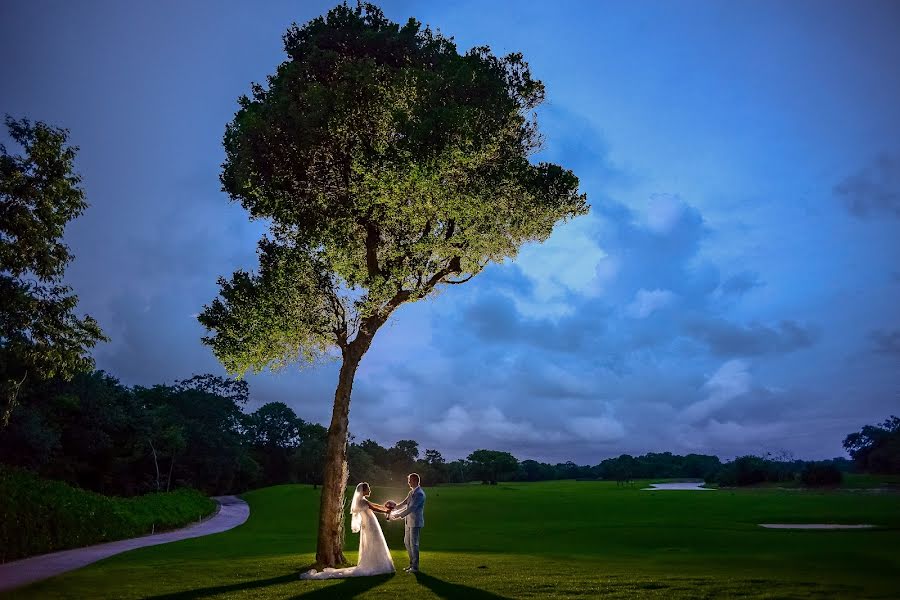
point(414, 513)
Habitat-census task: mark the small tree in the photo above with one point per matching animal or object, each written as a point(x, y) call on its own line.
point(40, 335)
point(388, 165)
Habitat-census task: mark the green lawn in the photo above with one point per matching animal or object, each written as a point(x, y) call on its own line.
point(539, 540)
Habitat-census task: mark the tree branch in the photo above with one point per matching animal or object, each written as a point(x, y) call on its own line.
point(372, 239)
point(451, 227)
point(460, 280)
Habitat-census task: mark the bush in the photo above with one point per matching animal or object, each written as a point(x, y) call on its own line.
point(752, 470)
point(39, 515)
point(821, 474)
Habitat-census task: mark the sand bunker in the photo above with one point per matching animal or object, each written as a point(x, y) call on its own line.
point(813, 526)
point(690, 485)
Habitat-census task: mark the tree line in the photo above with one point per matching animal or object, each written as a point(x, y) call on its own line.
point(101, 435)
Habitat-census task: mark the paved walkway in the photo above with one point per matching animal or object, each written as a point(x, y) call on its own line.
point(232, 512)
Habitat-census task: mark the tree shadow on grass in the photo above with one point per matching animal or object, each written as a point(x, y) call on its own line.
point(222, 589)
point(347, 588)
point(351, 587)
point(450, 591)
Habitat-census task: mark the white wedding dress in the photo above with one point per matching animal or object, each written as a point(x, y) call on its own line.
point(374, 556)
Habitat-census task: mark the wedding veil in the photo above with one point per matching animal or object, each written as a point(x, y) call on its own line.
point(356, 508)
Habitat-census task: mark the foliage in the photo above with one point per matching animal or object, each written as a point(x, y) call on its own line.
point(492, 466)
point(387, 162)
point(876, 448)
point(817, 474)
point(40, 335)
point(98, 434)
point(752, 470)
point(39, 516)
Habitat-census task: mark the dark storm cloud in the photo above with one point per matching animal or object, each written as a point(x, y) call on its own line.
point(657, 250)
point(730, 339)
point(873, 191)
point(494, 319)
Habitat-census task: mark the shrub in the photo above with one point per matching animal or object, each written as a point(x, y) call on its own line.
point(39, 515)
point(821, 474)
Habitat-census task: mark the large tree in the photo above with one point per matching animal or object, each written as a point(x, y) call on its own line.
point(40, 335)
point(492, 466)
point(876, 448)
point(388, 165)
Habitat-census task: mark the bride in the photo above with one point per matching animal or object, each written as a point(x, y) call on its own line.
point(374, 556)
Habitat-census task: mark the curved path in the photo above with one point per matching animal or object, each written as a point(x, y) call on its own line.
point(232, 512)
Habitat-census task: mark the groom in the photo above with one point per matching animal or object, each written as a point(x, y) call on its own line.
point(414, 514)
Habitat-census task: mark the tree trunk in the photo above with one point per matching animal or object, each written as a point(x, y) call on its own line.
point(155, 463)
point(11, 399)
point(169, 478)
point(329, 549)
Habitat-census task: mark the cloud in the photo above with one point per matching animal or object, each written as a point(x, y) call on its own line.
point(597, 429)
point(488, 424)
point(732, 438)
point(728, 339)
point(495, 319)
point(648, 301)
point(874, 190)
point(741, 283)
point(664, 212)
point(730, 381)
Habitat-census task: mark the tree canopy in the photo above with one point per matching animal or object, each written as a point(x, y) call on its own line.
point(40, 335)
point(876, 448)
point(387, 164)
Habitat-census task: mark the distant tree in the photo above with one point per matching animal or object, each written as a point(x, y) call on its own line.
point(378, 453)
point(403, 457)
point(361, 465)
point(458, 471)
point(876, 448)
point(622, 469)
point(236, 390)
point(388, 165)
point(492, 466)
point(309, 458)
point(198, 432)
point(274, 425)
point(433, 468)
point(40, 335)
point(819, 474)
point(273, 431)
point(532, 470)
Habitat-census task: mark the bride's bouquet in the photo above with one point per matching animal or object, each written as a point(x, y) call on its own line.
point(390, 505)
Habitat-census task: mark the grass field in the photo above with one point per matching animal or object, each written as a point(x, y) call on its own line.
point(537, 540)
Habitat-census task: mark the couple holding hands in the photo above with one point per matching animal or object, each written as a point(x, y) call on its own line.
point(374, 555)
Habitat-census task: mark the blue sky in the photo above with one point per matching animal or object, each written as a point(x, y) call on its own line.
point(734, 290)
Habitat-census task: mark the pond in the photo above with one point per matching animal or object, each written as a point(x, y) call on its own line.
point(681, 485)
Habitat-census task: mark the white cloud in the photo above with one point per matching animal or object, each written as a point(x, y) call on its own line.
point(491, 422)
point(566, 262)
point(647, 302)
point(730, 381)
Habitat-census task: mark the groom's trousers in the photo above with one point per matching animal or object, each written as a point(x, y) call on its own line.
point(411, 541)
